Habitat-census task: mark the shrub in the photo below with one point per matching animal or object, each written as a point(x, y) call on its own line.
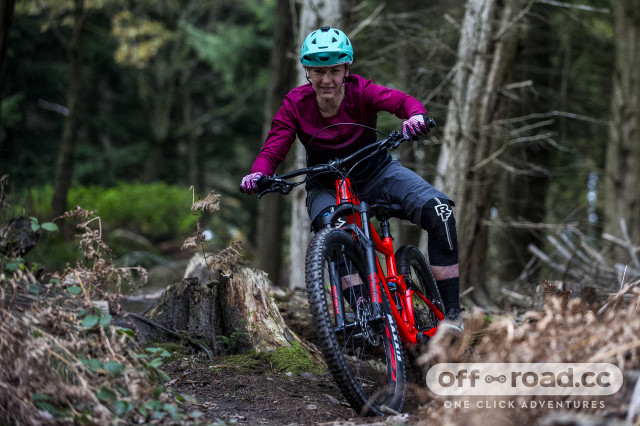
point(157, 210)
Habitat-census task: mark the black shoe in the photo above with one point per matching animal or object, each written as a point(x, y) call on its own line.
point(453, 319)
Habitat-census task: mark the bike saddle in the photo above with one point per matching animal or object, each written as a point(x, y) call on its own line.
point(387, 209)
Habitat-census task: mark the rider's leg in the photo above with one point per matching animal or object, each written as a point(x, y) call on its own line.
point(438, 220)
point(431, 210)
point(321, 202)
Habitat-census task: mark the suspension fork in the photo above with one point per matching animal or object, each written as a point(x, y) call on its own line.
point(371, 260)
point(336, 295)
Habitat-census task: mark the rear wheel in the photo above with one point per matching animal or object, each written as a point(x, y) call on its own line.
point(364, 353)
point(412, 264)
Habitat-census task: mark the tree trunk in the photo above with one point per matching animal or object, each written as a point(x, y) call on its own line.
point(6, 16)
point(485, 55)
point(230, 308)
point(622, 174)
point(406, 232)
point(314, 14)
point(522, 197)
point(156, 93)
point(65, 162)
point(270, 209)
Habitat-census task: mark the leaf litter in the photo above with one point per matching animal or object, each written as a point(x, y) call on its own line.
point(67, 359)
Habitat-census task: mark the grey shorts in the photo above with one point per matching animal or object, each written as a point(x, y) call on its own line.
point(393, 184)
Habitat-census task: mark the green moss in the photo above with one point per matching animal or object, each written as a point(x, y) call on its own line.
point(177, 350)
point(293, 359)
point(243, 364)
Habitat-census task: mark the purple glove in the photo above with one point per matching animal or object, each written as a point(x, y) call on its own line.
point(249, 183)
point(415, 127)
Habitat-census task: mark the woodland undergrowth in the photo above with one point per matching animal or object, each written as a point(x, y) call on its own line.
point(68, 356)
point(563, 331)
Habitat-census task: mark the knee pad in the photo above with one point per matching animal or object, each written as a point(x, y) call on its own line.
point(315, 226)
point(438, 220)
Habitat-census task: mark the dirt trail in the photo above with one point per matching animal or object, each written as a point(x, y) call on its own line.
point(251, 391)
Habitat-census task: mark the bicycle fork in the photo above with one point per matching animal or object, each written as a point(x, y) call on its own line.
point(373, 281)
point(371, 262)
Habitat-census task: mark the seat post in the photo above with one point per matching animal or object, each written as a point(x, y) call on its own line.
point(384, 227)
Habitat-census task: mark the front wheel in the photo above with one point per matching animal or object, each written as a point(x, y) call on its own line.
point(364, 353)
point(414, 267)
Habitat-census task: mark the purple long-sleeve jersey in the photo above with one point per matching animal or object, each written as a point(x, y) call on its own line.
point(300, 115)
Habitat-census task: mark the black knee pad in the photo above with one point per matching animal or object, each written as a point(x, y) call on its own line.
point(315, 226)
point(438, 220)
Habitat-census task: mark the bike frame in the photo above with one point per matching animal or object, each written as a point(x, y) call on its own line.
point(401, 306)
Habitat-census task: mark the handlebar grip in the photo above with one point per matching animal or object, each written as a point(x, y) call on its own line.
point(262, 182)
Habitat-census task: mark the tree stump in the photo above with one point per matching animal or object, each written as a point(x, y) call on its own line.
point(230, 310)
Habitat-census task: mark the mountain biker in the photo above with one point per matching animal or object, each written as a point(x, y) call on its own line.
point(334, 95)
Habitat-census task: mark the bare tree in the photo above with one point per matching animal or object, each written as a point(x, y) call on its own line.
point(270, 209)
point(486, 52)
point(64, 165)
point(622, 174)
point(6, 16)
point(314, 14)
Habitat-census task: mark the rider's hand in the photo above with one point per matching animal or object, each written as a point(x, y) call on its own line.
point(415, 127)
point(250, 183)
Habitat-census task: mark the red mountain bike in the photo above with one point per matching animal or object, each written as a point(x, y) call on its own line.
point(364, 314)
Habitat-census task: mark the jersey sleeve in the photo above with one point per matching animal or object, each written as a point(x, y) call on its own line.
point(381, 98)
point(278, 142)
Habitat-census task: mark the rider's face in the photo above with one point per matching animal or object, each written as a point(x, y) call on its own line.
point(327, 81)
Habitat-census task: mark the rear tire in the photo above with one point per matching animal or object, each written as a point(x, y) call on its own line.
point(365, 357)
point(412, 264)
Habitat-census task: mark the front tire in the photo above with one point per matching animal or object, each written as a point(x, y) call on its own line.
point(365, 355)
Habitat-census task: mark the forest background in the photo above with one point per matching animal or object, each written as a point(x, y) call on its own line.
point(123, 106)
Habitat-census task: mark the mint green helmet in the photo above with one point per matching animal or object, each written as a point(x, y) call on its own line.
point(326, 46)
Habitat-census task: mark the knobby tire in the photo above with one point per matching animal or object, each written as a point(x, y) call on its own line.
point(412, 264)
point(365, 358)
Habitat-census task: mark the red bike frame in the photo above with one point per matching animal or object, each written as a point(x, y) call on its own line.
point(404, 317)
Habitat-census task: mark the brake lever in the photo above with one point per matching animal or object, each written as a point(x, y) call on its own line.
point(277, 185)
point(395, 139)
point(263, 193)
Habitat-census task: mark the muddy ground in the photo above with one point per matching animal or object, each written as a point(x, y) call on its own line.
point(260, 395)
point(252, 391)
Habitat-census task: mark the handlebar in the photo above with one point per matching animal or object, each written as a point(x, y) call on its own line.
point(279, 183)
